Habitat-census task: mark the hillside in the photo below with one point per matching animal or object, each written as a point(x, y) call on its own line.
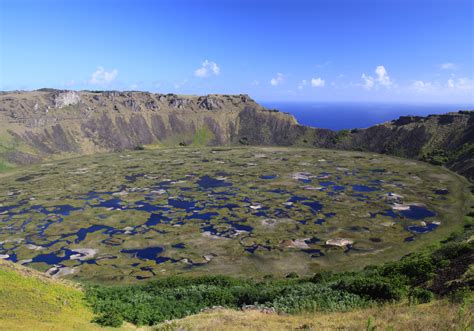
point(49, 123)
point(30, 300)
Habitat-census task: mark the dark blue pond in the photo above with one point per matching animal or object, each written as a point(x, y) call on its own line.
point(363, 188)
point(155, 219)
point(240, 227)
point(149, 253)
point(53, 258)
point(203, 216)
point(319, 221)
point(326, 183)
point(82, 233)
point(423, 229)
point(115, 203)
point(182, 204)
point(209, 182)
point(268, 177)
point(417, 213)
point(314, 205)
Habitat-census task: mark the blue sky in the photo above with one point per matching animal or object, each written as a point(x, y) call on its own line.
point(320, 50)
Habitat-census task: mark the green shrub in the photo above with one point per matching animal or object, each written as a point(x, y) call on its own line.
point(109, 319)
point(313, 297)
point(373, 287)
point(420, 295)
point(460, 295)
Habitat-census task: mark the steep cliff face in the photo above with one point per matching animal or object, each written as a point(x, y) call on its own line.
point(439, 139)
point(51, 123)
point(44, 123)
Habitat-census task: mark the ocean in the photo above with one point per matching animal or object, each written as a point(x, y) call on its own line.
point(340, 116)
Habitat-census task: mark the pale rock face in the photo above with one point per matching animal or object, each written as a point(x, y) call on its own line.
point(341, 242)
point(83, 254)
point(68, 98)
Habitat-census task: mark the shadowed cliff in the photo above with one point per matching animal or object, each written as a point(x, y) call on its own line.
point(49, 123)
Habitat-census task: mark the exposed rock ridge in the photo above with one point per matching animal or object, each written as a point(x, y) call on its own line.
point(38, 124)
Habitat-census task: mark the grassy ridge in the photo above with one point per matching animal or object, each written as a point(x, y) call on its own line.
point(31, 301)
point(437, 315)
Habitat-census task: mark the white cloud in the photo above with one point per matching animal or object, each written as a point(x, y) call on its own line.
point(368, 81)
point(461, 84)
point(317, 82)
point(421, 86)
point(208, 68)
point(102, 77)
point(277, 80)
point(255, 83)
point(133, 86)
point(382, 79)
point(382, 76)
point(448, 66)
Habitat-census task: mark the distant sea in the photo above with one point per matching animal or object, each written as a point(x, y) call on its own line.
point(339, 116)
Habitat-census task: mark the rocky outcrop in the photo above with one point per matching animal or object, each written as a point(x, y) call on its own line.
point(45, 122)
point(438, 139)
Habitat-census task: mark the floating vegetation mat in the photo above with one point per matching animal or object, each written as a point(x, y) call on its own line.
point(243, 211)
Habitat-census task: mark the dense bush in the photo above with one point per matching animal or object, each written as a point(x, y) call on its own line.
point(373, 287)
point(420, 295)
point(177, 297)
point(313, 297)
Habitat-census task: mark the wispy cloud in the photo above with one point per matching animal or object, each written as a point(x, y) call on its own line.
point(70, 83)
point(103, 77)
point(277, 80)
point(322, 65)
point(421, 86)
point(208, 68)
point(180, 84)
point(448, 66)
point(368, 81)
point(461, 83)
point(303, 83)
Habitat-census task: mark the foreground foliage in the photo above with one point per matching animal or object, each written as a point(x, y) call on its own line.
point(437, 271)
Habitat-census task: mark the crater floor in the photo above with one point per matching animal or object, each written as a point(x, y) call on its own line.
point(127, 217)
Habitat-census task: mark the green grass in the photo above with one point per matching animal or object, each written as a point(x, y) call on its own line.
point(30, 301)
point(202, 137)
point(4, 166)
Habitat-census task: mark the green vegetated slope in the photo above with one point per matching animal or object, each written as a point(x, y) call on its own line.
point(428, 290)
point(29, 300)
point(443, 271)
